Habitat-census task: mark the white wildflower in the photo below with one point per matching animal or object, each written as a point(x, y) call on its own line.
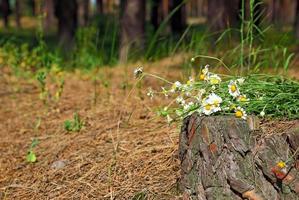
point(169, 119)
point(233, 89)
point(180, 100)
point(262, 114)
point(242, 98)
point(164, 91)
point(241, 80)
point(214, 99)
point(150, 93)
point(240, 113)
point(187, 106)
point(138, 72)
point(204, 73)
point(214, 79)
point(176, 86)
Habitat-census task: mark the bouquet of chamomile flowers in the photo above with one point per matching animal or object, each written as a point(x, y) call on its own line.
point(207, 94)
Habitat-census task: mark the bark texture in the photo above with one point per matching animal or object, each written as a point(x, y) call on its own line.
point(132, 27)
point(222, 15)
point(296, 25)
point(5, 12)
point(228, 158)
point(67, 21)
point(179, 18)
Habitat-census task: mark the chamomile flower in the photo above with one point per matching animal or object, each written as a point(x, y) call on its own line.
point(240, 80)
point(180, 100)
point(188, 106)
point(240, 113)
point(233, 89)
point(214, 99)
point(200, 94)
point(207, 109)
point(176, 86)
point(138, 72)
point(190, 81)
point(211, 104)
point(164, 91)
point(242, 98)
point(204, 73)
point(150, 93)
point(214, 79)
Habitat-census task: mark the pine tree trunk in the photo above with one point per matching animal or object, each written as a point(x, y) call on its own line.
point(222, 15)
point(179, 18)
point(48, 9)
point(156, 13)
point(66, 13)
point(296, 26)
point(5, 12)
point(99, 8)
point(132, 27)
point(18, 13)
point(225, 158)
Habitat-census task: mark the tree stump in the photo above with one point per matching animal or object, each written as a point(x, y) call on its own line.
point(228, 158)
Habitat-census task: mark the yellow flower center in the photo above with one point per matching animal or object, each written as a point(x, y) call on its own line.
point(281, 164)
point(214, 81)
point(239, 113)
point(208, 107)
point(242, 98)
point(233, 88)
point(202, 77)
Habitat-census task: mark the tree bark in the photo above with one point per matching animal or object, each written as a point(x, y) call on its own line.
point(296, 26)
point(228, 158)
point(99, 8)
point(49, 19)
point(179, 18)
point(132, 27)
point(222, 15)
point(18, 13)
point(5, 12)
point(66, 13)
point(156, 13)
point(83, 12)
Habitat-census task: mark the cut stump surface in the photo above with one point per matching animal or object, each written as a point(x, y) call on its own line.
point(229, 158)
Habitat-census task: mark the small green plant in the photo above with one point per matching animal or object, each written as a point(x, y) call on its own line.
point(74, 125)
point(41, 78)
point(58, 77)
point(31, 157)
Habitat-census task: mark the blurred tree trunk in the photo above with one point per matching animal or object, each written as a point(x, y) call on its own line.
point(32, 5)
point(297, 21)
point(132, 27)
point(5, 12)
point(179, 18)
point(66, 13)
point(156, 13)
point(222, 15)
point(49, 19)
point(83, 12)
point(18, 12)
point(99, 7)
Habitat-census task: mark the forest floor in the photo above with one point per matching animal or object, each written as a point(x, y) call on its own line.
point(124, 150)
